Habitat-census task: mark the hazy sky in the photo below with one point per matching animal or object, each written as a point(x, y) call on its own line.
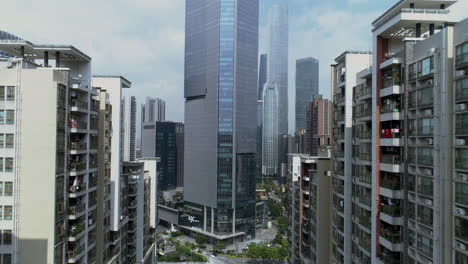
point(143, 40)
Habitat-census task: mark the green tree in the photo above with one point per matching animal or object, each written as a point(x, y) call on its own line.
point(201, 240)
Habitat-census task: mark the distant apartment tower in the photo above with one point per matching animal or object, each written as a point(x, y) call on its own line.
point(309, 187)
point(163, 140)
point(221, 65)
point(129, 128)
point(278, 60)
point(153, 110)
point(270, 131)
point(307, 88)
point(343, 82)
point(48, 126)
point(318, 128)
point(262, 77)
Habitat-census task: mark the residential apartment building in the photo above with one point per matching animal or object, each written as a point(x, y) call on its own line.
point(129, 128)
point(319, 126)
point(270, 129)
point(343, 82)
point(309, 187)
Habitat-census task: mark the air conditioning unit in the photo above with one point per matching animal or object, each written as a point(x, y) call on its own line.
point(460, 107)
point(329, 173)
point(430, 82)
point(460, 142)
point(428, 172)
point(461, 246)
point(428, 112)
point(460, 211)
point(428, 202)
point(460, 73)
point(463, 177)
point(430, 141)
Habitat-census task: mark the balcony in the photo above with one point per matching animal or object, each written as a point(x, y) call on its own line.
point(391, 137)
point(75, 254)
point(363, 91)
point(77, 167)
point(78, 147)
point(391, 240)
point(76, 231)
point(77, 126)
point(391, 188)
point(76, 211)
point(339, 99)
point(461, 59)
point(391, 163)
point(79, 106)
point(391, 214)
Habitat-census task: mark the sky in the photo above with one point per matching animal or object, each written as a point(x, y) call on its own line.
point(143, 40)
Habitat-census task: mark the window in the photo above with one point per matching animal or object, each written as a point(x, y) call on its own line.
point(426, 67)
point(1, 164)
point(462, 54)
point(426, 128)
point(2, 117)
point(2, 140)
point(1, 188)
point(10, 93)
point(10, 117)
point(461, 193)
point(426, 97)
point(461, 159)
point(7, 212)
point(8, 188)
point(2, 93)
point(460, 228)
point(9, 142)
point(8, 164)
point(461, 89)
point(7, 237)
point(6, 259)
point(461, 124)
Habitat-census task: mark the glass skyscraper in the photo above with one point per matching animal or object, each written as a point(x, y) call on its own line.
point(270, 131)
point(221, 54)
point(307, 87)
point(278, 60)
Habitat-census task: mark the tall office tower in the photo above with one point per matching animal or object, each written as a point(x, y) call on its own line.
point(278, 60)
point(161, 141)
point(48, 132)
point(343, 81)
point(419, 191)
point(221, 57)
point(309, 186)
point(129, 128)
point(270, 131)
point(318, 129)
point(307, 88)
point(262, 76)
point(153, 110)
point(180, 134)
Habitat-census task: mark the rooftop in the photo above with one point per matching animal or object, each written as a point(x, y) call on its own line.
point(125, 83)
point(352, 52)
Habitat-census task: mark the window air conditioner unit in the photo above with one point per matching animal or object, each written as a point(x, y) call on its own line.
point(428, 112)
point(428, 202)
point(430, 141)
point(460, 73)
point(460, 107)
point(460, 142)
point(461, 246)
point(428, 172)
point(460, 211)
point(463, 177)
point(430, 82)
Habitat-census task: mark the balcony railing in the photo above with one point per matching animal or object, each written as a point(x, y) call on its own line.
point(425, 11)
point(78, 145)
point(76, 252)
point(78, 124)
point(77, 209)
point(392, 210)
point(391, 133)
point(392, 236)
point(392, 184)
point(77, 166)
point(76, 229)
point(391, 159)
point(79, 104)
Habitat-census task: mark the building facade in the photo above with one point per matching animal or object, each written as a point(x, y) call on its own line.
point(307, 88)
point(309, 187)
point(153, 110)
point(318, 128)
point(344, 73)
point(278, 60)
point(129, 128)
point(220, 139)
